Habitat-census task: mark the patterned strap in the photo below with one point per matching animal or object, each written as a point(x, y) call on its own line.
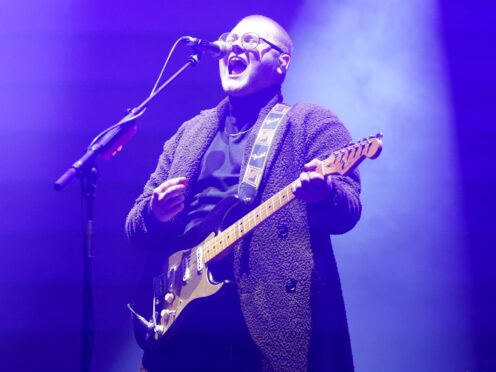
point(248, 188)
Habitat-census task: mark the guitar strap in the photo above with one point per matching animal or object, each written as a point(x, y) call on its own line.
point(248, 188)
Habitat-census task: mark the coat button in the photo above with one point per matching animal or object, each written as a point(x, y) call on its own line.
point(282, 231)
point(291, 285)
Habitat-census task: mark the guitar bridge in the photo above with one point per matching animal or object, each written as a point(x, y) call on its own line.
point(159, 285)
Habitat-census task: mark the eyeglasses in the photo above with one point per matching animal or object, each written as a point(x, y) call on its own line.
point(249, 41)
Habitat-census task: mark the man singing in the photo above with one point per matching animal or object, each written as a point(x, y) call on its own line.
point(283, 309)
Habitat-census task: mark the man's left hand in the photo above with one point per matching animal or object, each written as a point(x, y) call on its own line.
point(311, 186)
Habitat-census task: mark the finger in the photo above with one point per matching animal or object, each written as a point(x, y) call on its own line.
point(296, 185)
point(317, 181)
point(312, 164)
point(304, 179)
point(318, 187)
point(178, 199)
point(315, 176)
point(171, 192)
point(175, 190)
point(175, 210)
point(172, 182)
point(309, 185)
point(313, 187)
point(171, 213)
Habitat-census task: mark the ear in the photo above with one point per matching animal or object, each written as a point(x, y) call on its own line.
point(283, 63)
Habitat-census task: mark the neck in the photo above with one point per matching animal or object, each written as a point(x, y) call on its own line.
point(246, 108)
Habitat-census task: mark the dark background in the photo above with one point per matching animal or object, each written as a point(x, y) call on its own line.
point(418, 271)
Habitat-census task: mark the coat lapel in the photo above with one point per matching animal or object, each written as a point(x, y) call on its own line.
point(197, 136)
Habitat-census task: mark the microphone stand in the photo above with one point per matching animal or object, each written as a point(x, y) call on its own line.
point(107, 144)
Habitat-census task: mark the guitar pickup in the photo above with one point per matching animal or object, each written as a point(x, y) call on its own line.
point(199, 259)
point(186, 270)
point(172, 279)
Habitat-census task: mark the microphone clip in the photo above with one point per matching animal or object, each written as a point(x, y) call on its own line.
point(216, 49)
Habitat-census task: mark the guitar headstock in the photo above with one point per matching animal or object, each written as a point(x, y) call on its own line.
point(347, 158)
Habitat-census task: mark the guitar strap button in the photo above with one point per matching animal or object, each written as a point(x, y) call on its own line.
point(282, 231)
point(290, 285)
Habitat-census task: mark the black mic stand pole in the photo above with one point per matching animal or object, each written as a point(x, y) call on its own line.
point(107, 143)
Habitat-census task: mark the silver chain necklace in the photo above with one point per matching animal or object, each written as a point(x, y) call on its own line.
point(237, 134)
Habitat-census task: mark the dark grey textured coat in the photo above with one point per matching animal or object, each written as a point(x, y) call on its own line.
point(288, 284)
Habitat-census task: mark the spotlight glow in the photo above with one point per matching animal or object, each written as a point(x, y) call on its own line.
point(380, 67)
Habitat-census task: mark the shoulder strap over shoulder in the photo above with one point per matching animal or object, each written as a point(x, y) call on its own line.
point(248, 188)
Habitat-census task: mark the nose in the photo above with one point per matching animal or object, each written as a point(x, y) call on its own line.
point(237, 47)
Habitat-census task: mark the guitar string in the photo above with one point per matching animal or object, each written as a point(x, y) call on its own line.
point(284, 199)
point(251, 220)
point(210, 247)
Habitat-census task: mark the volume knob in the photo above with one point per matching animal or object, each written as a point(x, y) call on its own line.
point(169, 297)
point(166, 313)
point(159, 330)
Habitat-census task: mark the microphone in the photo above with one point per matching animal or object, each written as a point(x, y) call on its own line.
point(216, 49)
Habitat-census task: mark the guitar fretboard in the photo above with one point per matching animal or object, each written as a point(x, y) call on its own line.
point(339, 162)
point(212, 248)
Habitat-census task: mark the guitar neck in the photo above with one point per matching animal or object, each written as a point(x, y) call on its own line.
point(214, 247)
point(340, 161)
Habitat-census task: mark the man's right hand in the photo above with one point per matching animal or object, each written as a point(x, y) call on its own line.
point(168, 199)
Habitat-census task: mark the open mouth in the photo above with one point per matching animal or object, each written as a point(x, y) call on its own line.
point(236, 66)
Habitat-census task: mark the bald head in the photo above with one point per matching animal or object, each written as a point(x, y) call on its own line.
point(273, 31)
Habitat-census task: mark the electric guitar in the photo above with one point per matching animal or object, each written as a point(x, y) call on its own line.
point(184, 276)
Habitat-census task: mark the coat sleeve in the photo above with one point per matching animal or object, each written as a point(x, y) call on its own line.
point(142, 228)
point(341, 211)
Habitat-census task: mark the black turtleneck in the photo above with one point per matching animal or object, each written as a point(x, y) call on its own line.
point(221, 163)
point(244, 111)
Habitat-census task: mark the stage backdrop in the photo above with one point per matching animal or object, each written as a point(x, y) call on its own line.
point(417, 271)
